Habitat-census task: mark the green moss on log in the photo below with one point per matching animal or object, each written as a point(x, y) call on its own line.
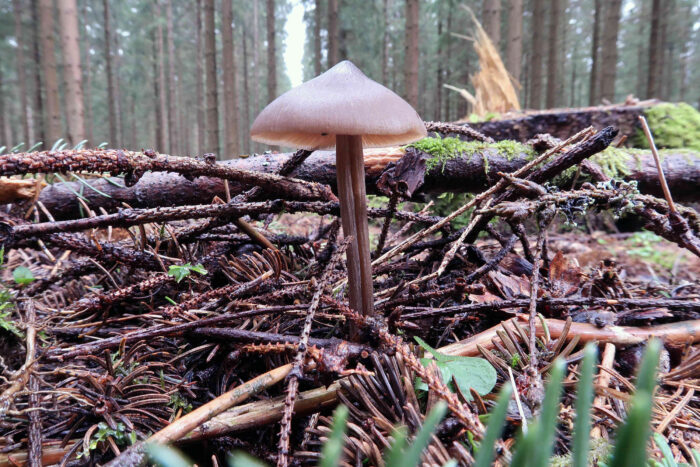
point(673, 126)
point(442, 150)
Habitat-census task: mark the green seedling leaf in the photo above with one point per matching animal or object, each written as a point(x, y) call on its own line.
point(22, 275)
point(179, 272)
point(468, 372)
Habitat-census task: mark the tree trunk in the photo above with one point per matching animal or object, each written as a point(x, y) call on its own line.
point(437, 115)
point(448, 61)
point(317, 37)
point(553, 64)
point(118, 93)
point(491, 19)
point(87, 91)
point(48, 70)
point(537, 46)
point(411, 56)
point(163, 138)
point(385, 43)
point(212, 145)
point(157, 90)
point(611, 27)
point(70, 42)
point(38, 78)
point(199, 70)
point(27, 137)
point(111, 100)
point(246, 96)
point(654, 50)
point(4, 133)
point(333, 34)
point(172, 91)
point(666, 67)
point(230, 104)
point(460, 175)
point(514, 47)
point(594, 83)
point(271, 52)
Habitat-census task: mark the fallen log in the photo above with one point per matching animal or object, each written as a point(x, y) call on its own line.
point(474, 172)
point(562, 123)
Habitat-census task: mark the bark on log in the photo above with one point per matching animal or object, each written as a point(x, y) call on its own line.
point(563, 123)
point(463, 174)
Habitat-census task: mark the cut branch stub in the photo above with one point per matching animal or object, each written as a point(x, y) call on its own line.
point(345, 109)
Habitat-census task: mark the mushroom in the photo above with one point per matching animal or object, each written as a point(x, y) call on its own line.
point(342, 108)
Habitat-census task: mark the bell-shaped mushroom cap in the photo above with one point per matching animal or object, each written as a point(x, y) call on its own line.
point(341, 101)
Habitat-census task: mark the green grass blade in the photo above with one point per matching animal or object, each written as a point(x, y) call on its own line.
point(646, 377)
point(524, 447)
point(394, 456)
point(17, 147)
point(333, 447)
point(633, 436)
point(547, 424)
point(497, 419)
point(412, 455)
point(584, 400)
point(665, 449)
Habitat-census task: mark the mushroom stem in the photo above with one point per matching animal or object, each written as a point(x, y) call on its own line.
point(353, 212)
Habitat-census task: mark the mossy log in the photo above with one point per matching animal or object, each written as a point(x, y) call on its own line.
point(673, 125)
point(469, 172)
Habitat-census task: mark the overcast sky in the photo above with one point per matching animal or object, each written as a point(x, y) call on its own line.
point(294, 44)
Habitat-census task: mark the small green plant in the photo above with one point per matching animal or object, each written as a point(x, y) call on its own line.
point(120, 436)
point(22, 275)
point(646, 247)
point(469, 372)
point(181, 271)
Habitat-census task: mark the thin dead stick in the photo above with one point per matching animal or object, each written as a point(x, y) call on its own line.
point(681, 333)
point(456, 244)
point(603, 381)
point(532, 307)
point(52, 453)
point(293, 384)
point(260, 413)
point(498, 186)
point(657, 160)
point(135, 455)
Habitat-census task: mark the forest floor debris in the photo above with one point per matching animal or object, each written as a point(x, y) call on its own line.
point(121, 326)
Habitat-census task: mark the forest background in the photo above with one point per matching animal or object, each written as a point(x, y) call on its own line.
point(187, 77)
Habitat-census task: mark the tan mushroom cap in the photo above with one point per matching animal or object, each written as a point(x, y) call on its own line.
point(341, 101)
